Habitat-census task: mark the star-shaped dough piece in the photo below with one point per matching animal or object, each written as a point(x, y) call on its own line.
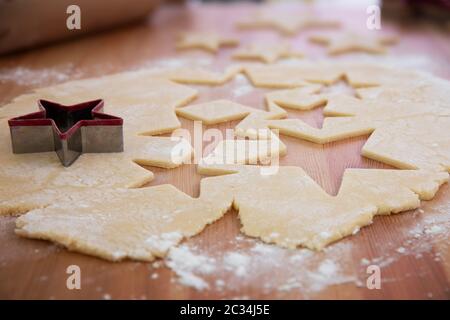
point(290, 209)
point(214, 112)
point(219, 111)
point(303, 98)
point(206, 41)
point(116, 224)
point(288, 24)
point(266, 52)
point(349, 42)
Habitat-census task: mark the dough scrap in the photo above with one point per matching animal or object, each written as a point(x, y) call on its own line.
point(287, 208)
point(350, 42)
point(358, 75)
point(206, 41)
point(282, 76)
point(290, 209)
point(288, 24)
point(116, 224)
point(423, 143)
point(266, 52)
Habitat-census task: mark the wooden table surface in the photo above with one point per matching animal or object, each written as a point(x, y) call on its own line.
point(413, 266)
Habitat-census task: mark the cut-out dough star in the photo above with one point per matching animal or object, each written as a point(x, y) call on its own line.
point(218, 111)
point(286, 208)
point(349, 42)
point(303, 98)
point(266, 52)
point(206, 41)
point(287, 24)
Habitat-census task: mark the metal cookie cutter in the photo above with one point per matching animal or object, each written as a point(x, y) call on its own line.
point(67, 130)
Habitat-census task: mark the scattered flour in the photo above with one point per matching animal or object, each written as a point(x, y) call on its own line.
point(250, 260)
point(401, 250)
point(237, 262)
point(434, 229)
point(154, 276)
point(39, 77)
point(185, 263)
point(165, 241)
point(242, 90)
point(242, 86)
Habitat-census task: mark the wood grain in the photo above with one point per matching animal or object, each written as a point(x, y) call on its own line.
point(33, 269)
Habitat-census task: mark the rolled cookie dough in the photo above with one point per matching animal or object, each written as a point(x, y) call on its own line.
point(147, 104)
point(266, 52)
point(350, 42)
point(206, 41)
point(288, 24)
point(116, 224)
point(289, 209)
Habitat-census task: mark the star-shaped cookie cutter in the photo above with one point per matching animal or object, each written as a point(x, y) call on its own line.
point(67, 130)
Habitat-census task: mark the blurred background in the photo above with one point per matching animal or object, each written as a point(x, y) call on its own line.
point(25, 24)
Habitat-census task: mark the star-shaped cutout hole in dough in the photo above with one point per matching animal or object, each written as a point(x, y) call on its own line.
point(287, 208)
point(350, 42)
point(208, 41)
point(266, 52)
point(290, 209)
point(242, 151)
